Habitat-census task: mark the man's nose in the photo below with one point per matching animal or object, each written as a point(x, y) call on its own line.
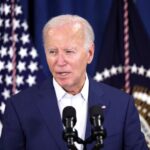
point(61, 59)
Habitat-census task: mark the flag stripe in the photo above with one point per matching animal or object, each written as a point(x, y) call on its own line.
point(13, 47)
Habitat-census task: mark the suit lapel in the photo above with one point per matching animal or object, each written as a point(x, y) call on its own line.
point(47, 104)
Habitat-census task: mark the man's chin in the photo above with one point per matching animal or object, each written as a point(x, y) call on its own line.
point(63, 82)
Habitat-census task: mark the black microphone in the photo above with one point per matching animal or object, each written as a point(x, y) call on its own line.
point(69, 121)
point(98, 132)
point(69, 117)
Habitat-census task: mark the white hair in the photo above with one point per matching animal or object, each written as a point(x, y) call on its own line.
point(64, 19)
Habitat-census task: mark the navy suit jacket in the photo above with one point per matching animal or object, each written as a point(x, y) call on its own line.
point(32, 120)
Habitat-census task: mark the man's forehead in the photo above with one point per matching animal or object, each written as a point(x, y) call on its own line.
point(75, 27)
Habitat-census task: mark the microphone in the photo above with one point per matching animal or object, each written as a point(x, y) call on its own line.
point(98, 132)
point(69, 117)
point(69, 121)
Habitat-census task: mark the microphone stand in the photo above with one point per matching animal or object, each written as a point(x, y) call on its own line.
point(97, 135)
point(70, 137)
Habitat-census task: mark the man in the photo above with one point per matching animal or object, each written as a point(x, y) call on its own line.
point(33, 117)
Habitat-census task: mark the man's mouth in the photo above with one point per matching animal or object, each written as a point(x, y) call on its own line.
point(63, 74)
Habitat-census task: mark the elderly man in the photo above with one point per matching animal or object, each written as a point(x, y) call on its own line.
point(33, 117)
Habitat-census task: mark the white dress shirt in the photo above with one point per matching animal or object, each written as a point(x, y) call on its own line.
point(79, 102)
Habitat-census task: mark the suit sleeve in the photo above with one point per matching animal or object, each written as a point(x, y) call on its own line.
point(12, 133)
point(133, 137)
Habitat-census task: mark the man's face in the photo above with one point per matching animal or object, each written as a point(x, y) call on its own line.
point(66, 56)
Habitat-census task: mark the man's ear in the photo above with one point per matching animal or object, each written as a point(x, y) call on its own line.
point(91, 53)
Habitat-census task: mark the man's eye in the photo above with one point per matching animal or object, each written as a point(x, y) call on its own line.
point(70, 51)
point(52, 52)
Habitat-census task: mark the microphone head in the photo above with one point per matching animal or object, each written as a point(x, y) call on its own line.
point(69, 112)
point(96, 111)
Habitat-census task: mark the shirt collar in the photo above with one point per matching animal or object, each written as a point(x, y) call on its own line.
point(85, 90)
point(60, 92)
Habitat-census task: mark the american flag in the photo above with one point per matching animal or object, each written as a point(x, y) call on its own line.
point(19, 62)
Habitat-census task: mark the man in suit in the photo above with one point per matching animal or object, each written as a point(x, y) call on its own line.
point(33, 117)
